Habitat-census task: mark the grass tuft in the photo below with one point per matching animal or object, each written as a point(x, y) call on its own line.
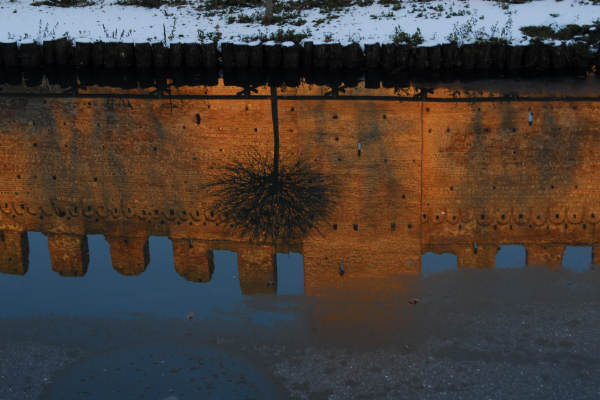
point(401, 37)
point(582, 33)
point(279, 36)
point(151, 3)
point(63, 3)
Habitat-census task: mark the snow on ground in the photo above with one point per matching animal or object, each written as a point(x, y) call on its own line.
point(108, 21)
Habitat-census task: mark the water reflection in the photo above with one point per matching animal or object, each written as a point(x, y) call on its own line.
point(577, 258)
point(432, 263)
point(158, 291)
point(371, 178)
point(121, 234)
point(511, 256)
point(266, 201)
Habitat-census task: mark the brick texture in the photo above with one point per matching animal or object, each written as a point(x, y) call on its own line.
point(431, 176)
point(193, 259)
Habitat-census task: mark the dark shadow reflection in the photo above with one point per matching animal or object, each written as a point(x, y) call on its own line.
point(268, 201)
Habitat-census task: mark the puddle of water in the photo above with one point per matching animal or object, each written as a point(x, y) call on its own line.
point(290, 273)
point(432, 263)
point(577, 258)
point(161, 372)
point(102, 291)
point(313, 206)
point(158, 291)
point(511, 256)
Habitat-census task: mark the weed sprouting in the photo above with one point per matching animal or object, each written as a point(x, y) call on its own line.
point(469, 32)
point(151, 3)
point(583, 33)
point(63, 3)
point(279, 36)
point(401, 37)
point(209, 36)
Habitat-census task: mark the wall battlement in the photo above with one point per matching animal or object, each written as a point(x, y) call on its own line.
point(432, 175)
point(69, 254)
point(193, 259)
point(257, 266)
point(14, 252)
point(129, 255)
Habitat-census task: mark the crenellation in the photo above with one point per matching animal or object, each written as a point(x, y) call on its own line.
point(548, 255)
point(129, 255)
point(595, 255)
point(14, 252)
point(257, 268)
point(476, 255)
point(69, 254)
point(194, 259)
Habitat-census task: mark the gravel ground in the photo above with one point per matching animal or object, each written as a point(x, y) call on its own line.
point(519, 353)
point(497, 334)
point(25, 368)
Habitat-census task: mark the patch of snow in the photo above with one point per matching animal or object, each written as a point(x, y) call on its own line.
point(437, 20)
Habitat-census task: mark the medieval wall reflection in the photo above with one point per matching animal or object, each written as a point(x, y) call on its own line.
point(446, 173)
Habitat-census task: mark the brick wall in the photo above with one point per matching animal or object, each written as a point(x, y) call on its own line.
point(431, 176)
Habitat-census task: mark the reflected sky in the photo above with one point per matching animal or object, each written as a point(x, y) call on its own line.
point(433, 263)
point(511, 256)
point(161, 292)
point(158, 291)
point(577, 258)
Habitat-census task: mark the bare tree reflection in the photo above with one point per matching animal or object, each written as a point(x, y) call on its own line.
point(267, 200)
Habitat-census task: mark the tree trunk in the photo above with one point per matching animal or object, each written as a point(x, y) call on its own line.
point(275, 117)
point(268, 11)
